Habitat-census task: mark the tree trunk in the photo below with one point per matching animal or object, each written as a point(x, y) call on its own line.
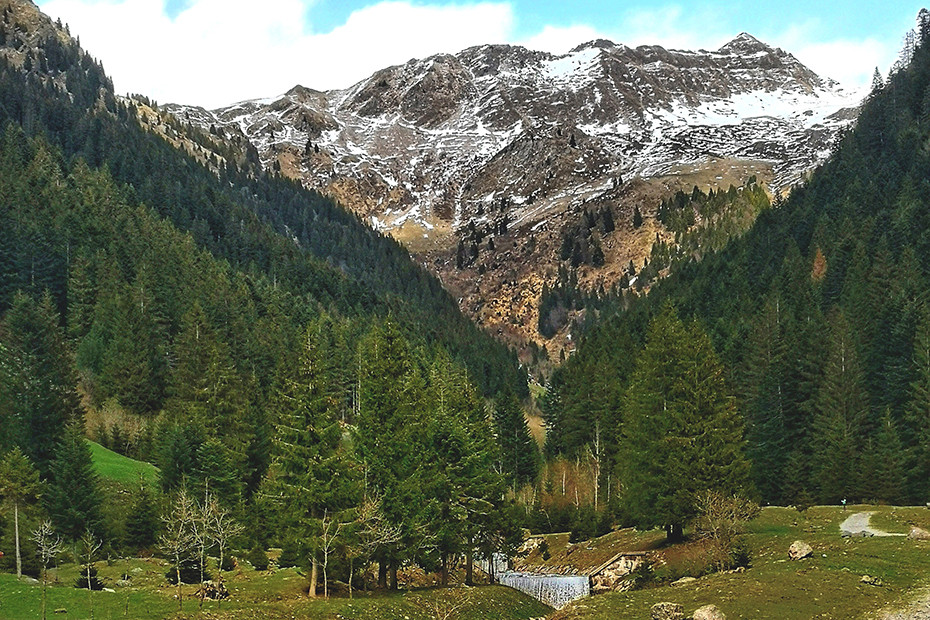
point(44, 588)
point(393, 574)
point(469, 567)
point(444, 575)
point(314, 574)
point(177, 567)
point(351, 566)
point(19, 559)
point(382, 574)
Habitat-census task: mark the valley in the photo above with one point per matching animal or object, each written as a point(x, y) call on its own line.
point(646, 321)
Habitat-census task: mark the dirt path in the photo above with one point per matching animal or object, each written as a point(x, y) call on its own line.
point(858, 525)
point(917, 609)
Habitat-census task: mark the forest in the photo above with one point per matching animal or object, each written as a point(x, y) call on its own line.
point(819, 314)
point(300, 383)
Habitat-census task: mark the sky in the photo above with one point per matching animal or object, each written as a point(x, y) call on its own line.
point(217, 52)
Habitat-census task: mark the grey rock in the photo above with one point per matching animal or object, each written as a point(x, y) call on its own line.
point(799, 550)
point(708, 612)
point(668, 611)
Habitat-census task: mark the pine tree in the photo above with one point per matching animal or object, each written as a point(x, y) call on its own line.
point(73, 499)
point(37, 382)
point(840, 412)
point(142, 522)
point(519, 455)
point(19, 487)
point(681, 431)
point(310, 471)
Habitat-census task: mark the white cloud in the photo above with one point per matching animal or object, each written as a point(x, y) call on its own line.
point(849, 62)
point(215, 52)
point(559, 40)
point(219, 51)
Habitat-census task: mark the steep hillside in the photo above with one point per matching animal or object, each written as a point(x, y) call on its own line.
point(511, 146)
point(819, 312)
point(259, 223)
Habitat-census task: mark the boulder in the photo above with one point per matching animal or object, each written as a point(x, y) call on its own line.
point(708, 612)
point(799, 550)
point(684, 581)
point(668, 611)
point(872, 581)
point(918, 533)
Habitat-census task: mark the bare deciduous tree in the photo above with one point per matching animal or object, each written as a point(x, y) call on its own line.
point(89, 546)
point(721, 520)
point(372, 532)
point(177, 539)
point(49, 545)
point(223, 528)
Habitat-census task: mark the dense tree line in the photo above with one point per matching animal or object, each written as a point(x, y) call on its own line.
point(819, 316)
point(259, 224)
point(279, 361)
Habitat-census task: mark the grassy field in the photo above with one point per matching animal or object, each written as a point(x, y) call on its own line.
point(827, 585)
point(269, 595)
point(120, 469)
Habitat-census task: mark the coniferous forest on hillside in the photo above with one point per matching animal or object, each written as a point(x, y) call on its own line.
point(291, 379)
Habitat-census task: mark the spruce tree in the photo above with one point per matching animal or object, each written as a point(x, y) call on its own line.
point(309, 470)
point(19, 487)
point(37, 381)
point(519, 456)
point(841, 408)
point(142, 522)
point(73, 499)
point(682, 433)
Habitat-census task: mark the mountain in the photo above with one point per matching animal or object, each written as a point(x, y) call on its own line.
point(264, 227)
point(819, 312)
point(505, 143)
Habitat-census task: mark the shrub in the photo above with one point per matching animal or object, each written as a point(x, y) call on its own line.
point(258, 558)
point(190, 572)
point(229, 563)
point(95, 583)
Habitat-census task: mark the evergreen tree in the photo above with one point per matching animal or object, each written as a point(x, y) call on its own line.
point(681, 431)
point(142, 522)
point(841, 410)
point(19, 487)
point(37, 383)
point(73, 499)
point(916, 431)
point(519, 455)
point(310, 470)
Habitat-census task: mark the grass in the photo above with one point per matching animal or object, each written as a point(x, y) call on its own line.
point(270, 595)
point(827, 585)
point(121, 469)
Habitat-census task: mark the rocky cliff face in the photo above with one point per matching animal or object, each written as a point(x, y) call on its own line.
point(502, 147)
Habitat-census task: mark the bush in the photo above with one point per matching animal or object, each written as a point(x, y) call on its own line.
point(544, 550)
point(190, 572)
point(229, 563)
point(643, 575)
point(740, 554)
point(290, 555)
point(95, 583)
point(258, 558)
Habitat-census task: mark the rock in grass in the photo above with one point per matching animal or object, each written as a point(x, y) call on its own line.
point(799, 550)
point(918, 533)
point(668, 611)
point(708, 612)
point(684, 581)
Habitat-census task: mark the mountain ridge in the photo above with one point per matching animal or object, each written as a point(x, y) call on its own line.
point(503, 141)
